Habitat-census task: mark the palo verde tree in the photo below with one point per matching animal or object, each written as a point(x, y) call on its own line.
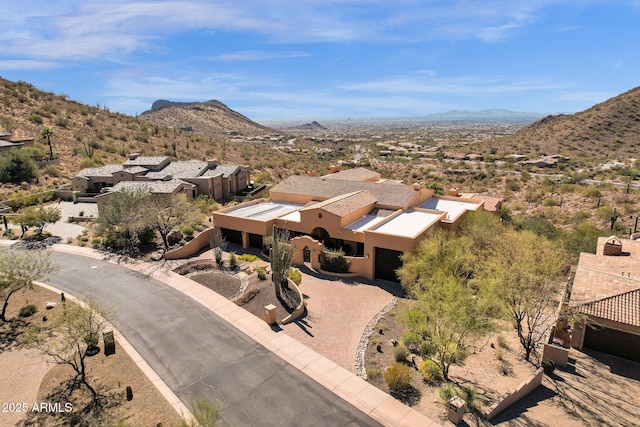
point(166, 214)
point(121, 219)
point(70, 336)
point(47, 133)
point(37, 217)
point(450, 313)
point(525, 270)
point(18, 271)
point(280, 258)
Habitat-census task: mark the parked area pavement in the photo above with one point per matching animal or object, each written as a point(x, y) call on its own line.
point(63, 229)
point(338, 310)
point(201, 344)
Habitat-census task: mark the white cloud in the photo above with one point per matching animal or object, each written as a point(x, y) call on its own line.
point(78, 29)
point(463, 85)
point(256, 55)
point(28, 65)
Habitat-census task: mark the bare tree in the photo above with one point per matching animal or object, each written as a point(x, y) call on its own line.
point(18, 270)
point(71, 336)
point(525, 269)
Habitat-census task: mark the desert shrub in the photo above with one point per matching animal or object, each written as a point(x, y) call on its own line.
point(400, 353)
point(398, 377)
point(17, 167)
point(27, 310)
point(549, 202)
point(146, 235)
point(295, 275)
point(248, 257)
point(51, 170)
point(233, 260)
point(187, 230)
point(446, 391)
point(373, 373)
point(413, 341)
point(334, 261)
point(502, 342)
point(548, 366)
point(505, 368)
point(262, 273)
point(430, 371)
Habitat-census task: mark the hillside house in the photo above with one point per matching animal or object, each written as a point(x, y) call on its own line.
point(373, 221)
point(162, 175)
point(9, 142)
point(606, 289)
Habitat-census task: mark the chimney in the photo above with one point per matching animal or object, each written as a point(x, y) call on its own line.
point(334, 168)
point(454, 192)
point(212, 162)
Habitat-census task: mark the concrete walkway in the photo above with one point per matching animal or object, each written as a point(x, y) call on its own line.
point(345, 385)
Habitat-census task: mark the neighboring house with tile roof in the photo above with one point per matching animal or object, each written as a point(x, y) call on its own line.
point(9, 142)
point(606, 289)
point(197, 177)
point(374, 223)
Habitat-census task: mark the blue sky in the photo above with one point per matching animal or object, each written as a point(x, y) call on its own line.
point(327, 59)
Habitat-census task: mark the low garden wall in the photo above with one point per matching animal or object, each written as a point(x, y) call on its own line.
point(299, 311)
point(191, 248)
point(526, 387)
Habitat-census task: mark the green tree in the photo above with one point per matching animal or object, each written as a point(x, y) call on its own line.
point(525, 271)
point(18, 167)
point(166, 214)
point(18, 271)
point(38, 217)
point(47, 133)
point(71, 336)
point(121, 218)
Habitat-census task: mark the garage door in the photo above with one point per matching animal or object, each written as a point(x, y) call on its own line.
point(387, 262)
point(614, 342)
point(232, 236)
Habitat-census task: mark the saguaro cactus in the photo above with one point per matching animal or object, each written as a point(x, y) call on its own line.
point(280, 261)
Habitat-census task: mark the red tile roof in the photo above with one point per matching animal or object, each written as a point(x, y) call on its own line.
point(344, 204)
point(623, 308)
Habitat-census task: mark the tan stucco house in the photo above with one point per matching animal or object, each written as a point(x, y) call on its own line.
point(373, 221)
point(606, 289)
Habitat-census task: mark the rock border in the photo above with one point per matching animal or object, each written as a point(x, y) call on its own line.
point(361, 369)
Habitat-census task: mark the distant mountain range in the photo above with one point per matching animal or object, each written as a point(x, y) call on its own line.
point(609, 130)
point(496, 115)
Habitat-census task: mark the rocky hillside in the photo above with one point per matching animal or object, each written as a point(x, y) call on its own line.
point(87, 136)
point(204, 118)
point(606, 131)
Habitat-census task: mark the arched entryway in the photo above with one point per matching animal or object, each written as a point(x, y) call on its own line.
point(320, 234)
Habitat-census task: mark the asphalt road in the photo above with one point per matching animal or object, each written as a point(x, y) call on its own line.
point(198, 354)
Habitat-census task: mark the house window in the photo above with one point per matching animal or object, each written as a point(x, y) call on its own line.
point(320, 215)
